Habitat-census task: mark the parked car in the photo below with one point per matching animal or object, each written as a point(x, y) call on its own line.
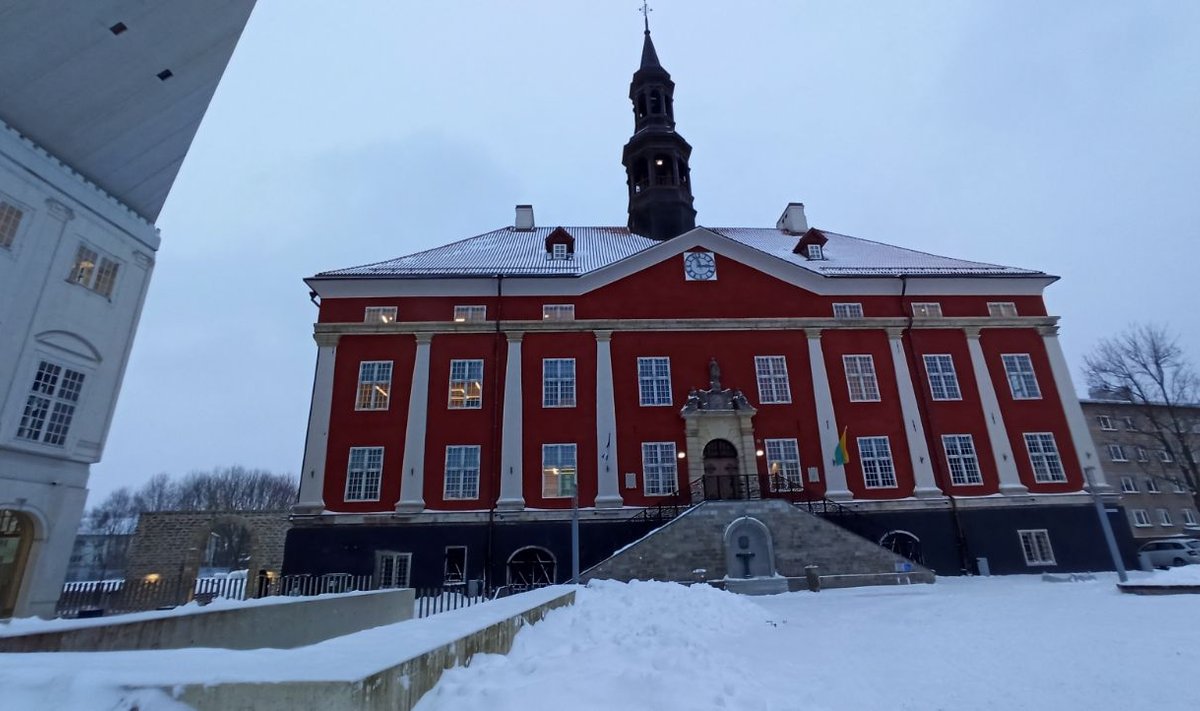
point(1177, 551)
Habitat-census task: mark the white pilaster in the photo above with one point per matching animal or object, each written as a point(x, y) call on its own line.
point(1085, 449)
point(316, 443)
point(914, 429)
point(512, 495)
point(835, 474)
point(1006, 465)
point(412, 475)
point(608, 486)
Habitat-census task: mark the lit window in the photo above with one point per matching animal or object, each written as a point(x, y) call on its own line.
point(943, 382)
point(960, 455)
point(51, 404)
point(94, 272)
point(462, 472)
point(558, 382)
point(1036, 546)
point(1021, 379)
point(1152, 486)
point(1189, 517)
point(659, 475)
point(470, 313)
point(772, 379)
point(466, 384)
point(814, 251)
point(1141, 518)
point(930, 309)
point(374, 385)
point(379, 314)
point(1128, 485)
point(10, 222)
point(1164, 518)
point(1117, 453)
point(364, 473)
point(783, 465)
point(847, 311)
point(1043, 453)
point(654, 381)
point(1106, 423)
point(876, 456)
point(860, 378)
point(1002, 309)
point(558, 312)
point(558, 470)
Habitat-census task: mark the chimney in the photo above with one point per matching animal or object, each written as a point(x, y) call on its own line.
point(524, 220)
point(793, 220)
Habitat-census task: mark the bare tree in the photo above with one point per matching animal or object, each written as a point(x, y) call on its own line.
point(108, 526)
point(1145, 366)
point(157, 494)
point(235, 488)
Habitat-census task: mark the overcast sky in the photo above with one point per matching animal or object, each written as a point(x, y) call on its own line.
point(1058, 136)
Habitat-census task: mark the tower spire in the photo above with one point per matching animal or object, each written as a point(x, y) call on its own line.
point(646, 10)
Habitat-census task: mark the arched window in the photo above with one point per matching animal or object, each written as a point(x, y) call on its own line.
point(656, 102)
point(640, 106)
point(16, 536)
point(533, 566)
point(904, 544)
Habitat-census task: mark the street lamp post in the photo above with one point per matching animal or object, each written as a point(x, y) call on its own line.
point(574, 529)
point(1105, 525)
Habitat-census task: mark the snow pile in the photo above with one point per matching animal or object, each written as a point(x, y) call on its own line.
point(1183, 575)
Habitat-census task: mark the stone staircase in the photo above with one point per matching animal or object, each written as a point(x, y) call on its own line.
point(691, 548)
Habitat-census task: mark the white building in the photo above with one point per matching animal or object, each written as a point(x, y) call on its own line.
point(98, 106)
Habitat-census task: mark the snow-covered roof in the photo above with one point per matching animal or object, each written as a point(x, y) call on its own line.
point(513, 252)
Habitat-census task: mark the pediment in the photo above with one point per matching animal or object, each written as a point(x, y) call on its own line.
point(71, 343)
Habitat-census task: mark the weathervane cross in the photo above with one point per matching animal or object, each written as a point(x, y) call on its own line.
point(646, 10)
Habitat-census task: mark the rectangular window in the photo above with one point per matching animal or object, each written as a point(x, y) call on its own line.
point(1021, 379)
point(1165, 457)
point(10, 222)
point(659, 475)
point(772, 379)
point(1130, 424)
point(454, 570)
point(1189, 517)
point(558, 312)
point(51, 404)
point(1164, 518)
point(876, 456)
point(813, 251)
point(1142, 454)
point(558, 382)
point(392, 569)
point(783, 464)
point(654, 381)
point(960, 455)
point(462, 471)
point(1180, 487)
point(930, 309)
point(1152, 486)
point(364, 473)
point(466, 384)
point(470, 313)
point(558, 470)
point(94, 272)
point(1036, 546)
point(943, 381)
point(379, 314)
point(374, 385)
point(106, 277)
point(559, 251)
point(1002, 309)
point(1128, 485)
point(854, 310)
point(1141, 519)
point(1106, 423)
point(860, 378)
point(1043, 453)
point(1116, 453)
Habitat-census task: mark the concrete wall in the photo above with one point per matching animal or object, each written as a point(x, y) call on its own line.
point(281, 623)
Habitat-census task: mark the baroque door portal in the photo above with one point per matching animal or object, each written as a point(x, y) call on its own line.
point(722, 476)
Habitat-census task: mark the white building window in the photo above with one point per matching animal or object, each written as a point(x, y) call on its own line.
point(960, 455)
point(462, 471)
point(772, 379)
point(558, 250)
point(51, 404)
point(1143, 455)
point(854, 310)
point(783, 464)
point(1189, 517)
point(1128, 485)
point(364, 473)
point(558, 382)
point(814, 251)
point(10, 222)
point(654, 381)
point(470, 313)
point(374, 385)
point(1141, 518)
point(931, 309)
point(1116, 453)
point(558, 470)
point(392, 569)
point(943, 381)
point(1106, 423)
point(1021, 379)
point(1002, 309)
point(1129, 424)
point(1164, 518)
point(659, 475)
point(379, 314)
point(1180, 487)
point(1165, 457)
point(860, 378)
point(1152, 486)
point(558, 312)
point(1043, 453)
point(466, 384)
point(876, 456)
point(93, 271)
point(1036, 546)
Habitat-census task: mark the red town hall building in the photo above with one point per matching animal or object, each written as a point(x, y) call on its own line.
point(461, 392)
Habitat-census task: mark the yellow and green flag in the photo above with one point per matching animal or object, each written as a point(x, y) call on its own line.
point(841, 455)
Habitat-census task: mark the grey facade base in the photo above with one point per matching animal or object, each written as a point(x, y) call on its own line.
point(1159, 589)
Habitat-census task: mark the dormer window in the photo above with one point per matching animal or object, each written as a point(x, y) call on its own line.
point(812, 243)
point(814, 251)
point(560, 244)
point(558, 251)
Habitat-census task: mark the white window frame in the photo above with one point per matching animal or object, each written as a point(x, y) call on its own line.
point(1106, 423)
point(660, 473)
point(450, 577)
point(861, 381)
point(772, 375)
point(558, 250)
point(470, 313)
point(783, 464)
point(555, 467)
point(558, 312)
point(397, 561)
point(466, 368)
point(1179, 487)
point(943, 380)
point(1130, 424)
point(1002, 309)
point(365, 477)
point(927, 309)
point(1143, 454)
point(379, 314)
point(11, 217)
point(848, 310)
point(1035, 545)
point(654, 381)
point(1164, 517)
point(53, 397)
point(875, 458)
point(963, 460)
point(1045, 458)
point(1128, 485)
point(1116, 453)
point(94, 270)
point(1152, 486)
point(1189, 517)
point(374, 385)
point(1141, 518)
point(558, 386)
point(1022, 379)
point(460, 480)
point(814, 251)
point(1165, 457)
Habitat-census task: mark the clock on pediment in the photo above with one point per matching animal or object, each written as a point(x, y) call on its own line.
point(700, 266)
